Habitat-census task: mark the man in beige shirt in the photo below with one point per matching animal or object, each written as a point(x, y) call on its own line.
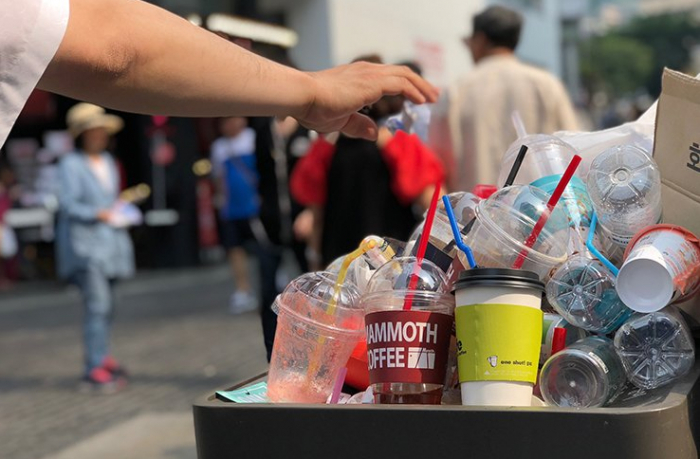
point(477, 110)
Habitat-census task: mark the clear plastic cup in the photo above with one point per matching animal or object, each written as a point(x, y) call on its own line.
point(408, 349)
point(399, 274)
point(505, 221)
point(549, 323)
point(624, 185)
point(546, 156)
point(314, 339)
point(656, 349)
point(441, 248)
point(583, 291)
point(576, 204)
point(589, 373)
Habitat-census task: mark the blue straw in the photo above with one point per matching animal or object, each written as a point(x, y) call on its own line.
point(594, 251)
point(455, 232)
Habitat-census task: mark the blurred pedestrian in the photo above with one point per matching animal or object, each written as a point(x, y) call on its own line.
point(8, 238)
point(477, 110)
point(236, 177)
point(93, 252)
point(358, 187)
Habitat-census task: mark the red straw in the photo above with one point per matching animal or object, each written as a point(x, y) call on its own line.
point(423, 245)
point(558, 340)
point(553, 200)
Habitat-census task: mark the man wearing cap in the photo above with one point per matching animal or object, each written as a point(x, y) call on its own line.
point(133, 56)
point(93, 249)
point(475, 113)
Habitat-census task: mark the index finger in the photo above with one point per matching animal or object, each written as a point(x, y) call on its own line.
point(429, 91)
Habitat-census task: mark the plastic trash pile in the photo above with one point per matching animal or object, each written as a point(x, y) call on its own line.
point(560, 285)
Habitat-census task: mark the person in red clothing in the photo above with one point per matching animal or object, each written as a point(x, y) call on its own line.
point(358, 187)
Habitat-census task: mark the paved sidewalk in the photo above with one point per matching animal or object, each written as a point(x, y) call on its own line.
point(172, 331)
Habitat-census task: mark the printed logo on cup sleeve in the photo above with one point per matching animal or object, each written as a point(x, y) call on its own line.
point(498, 342)
point(407, 346)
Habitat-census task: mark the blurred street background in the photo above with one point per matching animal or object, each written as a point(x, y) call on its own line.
point(179, 327)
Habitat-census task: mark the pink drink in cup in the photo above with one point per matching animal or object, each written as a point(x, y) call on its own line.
point(314, 339)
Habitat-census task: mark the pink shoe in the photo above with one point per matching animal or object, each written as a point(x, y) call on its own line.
point(101, 381)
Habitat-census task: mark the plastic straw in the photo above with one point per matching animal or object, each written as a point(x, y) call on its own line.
point(516, 166)
point(596, 253)
point(509, 181)
point(518, 124)
point(455, 232)
point(365, 246)
point(553, 200)
point(338, 386)
point(558, 340)
point(423, 245)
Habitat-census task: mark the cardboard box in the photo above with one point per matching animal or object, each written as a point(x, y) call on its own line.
point(677, 149)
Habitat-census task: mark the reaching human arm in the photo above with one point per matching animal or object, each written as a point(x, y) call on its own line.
point(133, 56)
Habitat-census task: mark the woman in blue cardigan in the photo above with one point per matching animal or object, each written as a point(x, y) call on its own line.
point(93, 251)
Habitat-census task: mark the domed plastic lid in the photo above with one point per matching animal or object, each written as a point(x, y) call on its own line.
point(546, 155)
point(398, 273)
point(511, 215)
point(623, 176)
point(313, 297)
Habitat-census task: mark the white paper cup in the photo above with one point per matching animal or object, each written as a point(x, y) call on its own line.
point(499, 330)
point(662, 266)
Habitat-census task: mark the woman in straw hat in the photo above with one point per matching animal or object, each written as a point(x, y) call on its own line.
point(92, 252)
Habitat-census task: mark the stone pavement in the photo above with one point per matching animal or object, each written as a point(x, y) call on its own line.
point(172, 331)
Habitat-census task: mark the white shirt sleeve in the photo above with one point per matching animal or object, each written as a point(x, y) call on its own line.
point(30, 33)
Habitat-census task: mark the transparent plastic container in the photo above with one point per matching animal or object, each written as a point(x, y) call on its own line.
point(587, 374)
point(578, 208)
point(505, 221)
point(441, 239)
point(583, 291)
point(398, 274)
point(624, 185)
point(317, 328)
point(546, 156)
point(361, 269)
point(549, 323)
point(656, 349)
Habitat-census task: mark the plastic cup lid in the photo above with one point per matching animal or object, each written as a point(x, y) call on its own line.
point(499, 277)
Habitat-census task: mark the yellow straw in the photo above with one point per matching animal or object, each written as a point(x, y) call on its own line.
point(365, 245)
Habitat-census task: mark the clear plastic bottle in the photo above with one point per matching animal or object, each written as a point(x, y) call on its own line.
point(583, 291)
point(656, 349)
point(624, 185)
point(589, 373)
point(549, 323)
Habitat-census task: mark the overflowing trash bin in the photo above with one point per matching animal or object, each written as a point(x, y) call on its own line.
point(539, 321)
